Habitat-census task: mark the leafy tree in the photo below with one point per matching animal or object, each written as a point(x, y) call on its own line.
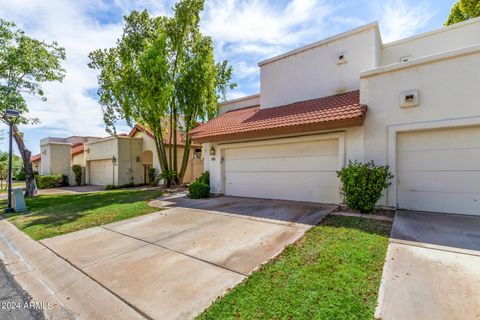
point(463, 10)
point(25, 63)
point(162, 74)
point(16, 167)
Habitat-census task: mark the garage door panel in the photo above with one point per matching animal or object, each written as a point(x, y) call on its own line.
point(458, 181)
point(291, 179)
point(301, 171)
point(439, 170)
point(280, 150)
point(440, 139)
point(430, 160)
point(300, 163)
point(101, 172)
point(262, 186)
point(441, 202)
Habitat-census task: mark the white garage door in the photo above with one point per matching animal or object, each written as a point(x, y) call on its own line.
point(101, 172)
point(301, 171)
point(439, 170)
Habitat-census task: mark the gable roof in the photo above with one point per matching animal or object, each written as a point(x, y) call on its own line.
point(36, 158)
point(341, 110)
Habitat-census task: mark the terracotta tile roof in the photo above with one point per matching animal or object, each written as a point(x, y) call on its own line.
point(335, 111)
point(35, 158)
point(180, 138)
point(77, 149)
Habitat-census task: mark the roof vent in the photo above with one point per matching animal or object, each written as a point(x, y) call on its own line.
point(342, 57)
point(409, 99)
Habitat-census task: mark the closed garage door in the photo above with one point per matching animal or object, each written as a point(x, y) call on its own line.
point(101, 172)
point(439, 170)
point(301, 171)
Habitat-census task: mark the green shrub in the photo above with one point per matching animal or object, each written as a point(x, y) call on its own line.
point(152, 177)
point(363, 183)
point(20, 176)
point(205, 178)
point(198, 190)
point(119, 186)
point(77, 171)
point(51, 181)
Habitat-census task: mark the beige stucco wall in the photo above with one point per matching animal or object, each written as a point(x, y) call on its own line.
point(101, 150)
point(447, 86)
point(456, 36)
point(314, 72)
point(129, 161)
point(239, 103)
point(194, 167)
point(55, 158)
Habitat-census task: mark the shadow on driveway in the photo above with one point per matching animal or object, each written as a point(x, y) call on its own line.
point(450, 230)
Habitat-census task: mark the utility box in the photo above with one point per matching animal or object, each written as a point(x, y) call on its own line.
point(18, 200)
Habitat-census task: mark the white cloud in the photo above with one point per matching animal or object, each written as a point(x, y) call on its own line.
point(399, 19)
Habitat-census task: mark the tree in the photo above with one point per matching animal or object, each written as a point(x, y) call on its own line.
point(162, 74)
point(16, 167)
point(463, 10)
point(25, 63)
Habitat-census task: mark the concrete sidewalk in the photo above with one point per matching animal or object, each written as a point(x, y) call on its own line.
point(58, 288)
point(432, 269)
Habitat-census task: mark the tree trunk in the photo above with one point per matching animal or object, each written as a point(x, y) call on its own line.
point(30, 186)
point(185, 158)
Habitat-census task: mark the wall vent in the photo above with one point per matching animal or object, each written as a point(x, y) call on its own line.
point(342, 57)
point(405, 58)
point(409, 99)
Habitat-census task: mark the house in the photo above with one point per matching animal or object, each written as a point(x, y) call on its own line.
point(115, 160)
point(413, 104)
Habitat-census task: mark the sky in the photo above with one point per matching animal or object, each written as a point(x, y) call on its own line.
point(245, 32)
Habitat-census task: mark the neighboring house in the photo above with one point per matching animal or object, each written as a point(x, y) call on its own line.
point(423, 100)
point(116, 160)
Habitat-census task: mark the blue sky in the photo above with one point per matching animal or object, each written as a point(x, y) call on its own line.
point(244, 32)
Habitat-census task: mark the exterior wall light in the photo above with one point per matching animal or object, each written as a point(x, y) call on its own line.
point(212, 151)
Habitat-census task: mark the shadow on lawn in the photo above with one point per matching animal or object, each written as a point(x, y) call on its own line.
point(57, 210)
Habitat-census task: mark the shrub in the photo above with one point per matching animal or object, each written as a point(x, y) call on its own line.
point(20, 176)
point(119, 186)
point(51, 181)
point(198, 190)
point(152, 177)
point(205, 178)
point(363, 183)
point(77, 171)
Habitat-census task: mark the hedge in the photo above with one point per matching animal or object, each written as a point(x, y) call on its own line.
point(51, 181)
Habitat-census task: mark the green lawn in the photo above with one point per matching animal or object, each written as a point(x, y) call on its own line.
point(332, 273)
point(53, 215)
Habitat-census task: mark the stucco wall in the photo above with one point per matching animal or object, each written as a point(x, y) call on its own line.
point(453, 37)
point(128, 165)
point(447, 87)
point(314, 72)
point(101, 150)
point(55, 158)
point(194, 167)
point(239, 103)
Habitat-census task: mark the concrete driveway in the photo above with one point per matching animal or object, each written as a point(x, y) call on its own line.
point(172, 264)
point(432, 269)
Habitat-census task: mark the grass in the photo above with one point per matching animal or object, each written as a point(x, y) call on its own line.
point(332, 273)
point(53, 215)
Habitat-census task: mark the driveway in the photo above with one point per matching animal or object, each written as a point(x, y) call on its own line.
point(432, 269)
point(174, 263)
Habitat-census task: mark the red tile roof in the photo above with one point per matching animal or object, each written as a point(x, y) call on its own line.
point(335, 111)
point(77, 149)
point(35, 158)
point(180, 137)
